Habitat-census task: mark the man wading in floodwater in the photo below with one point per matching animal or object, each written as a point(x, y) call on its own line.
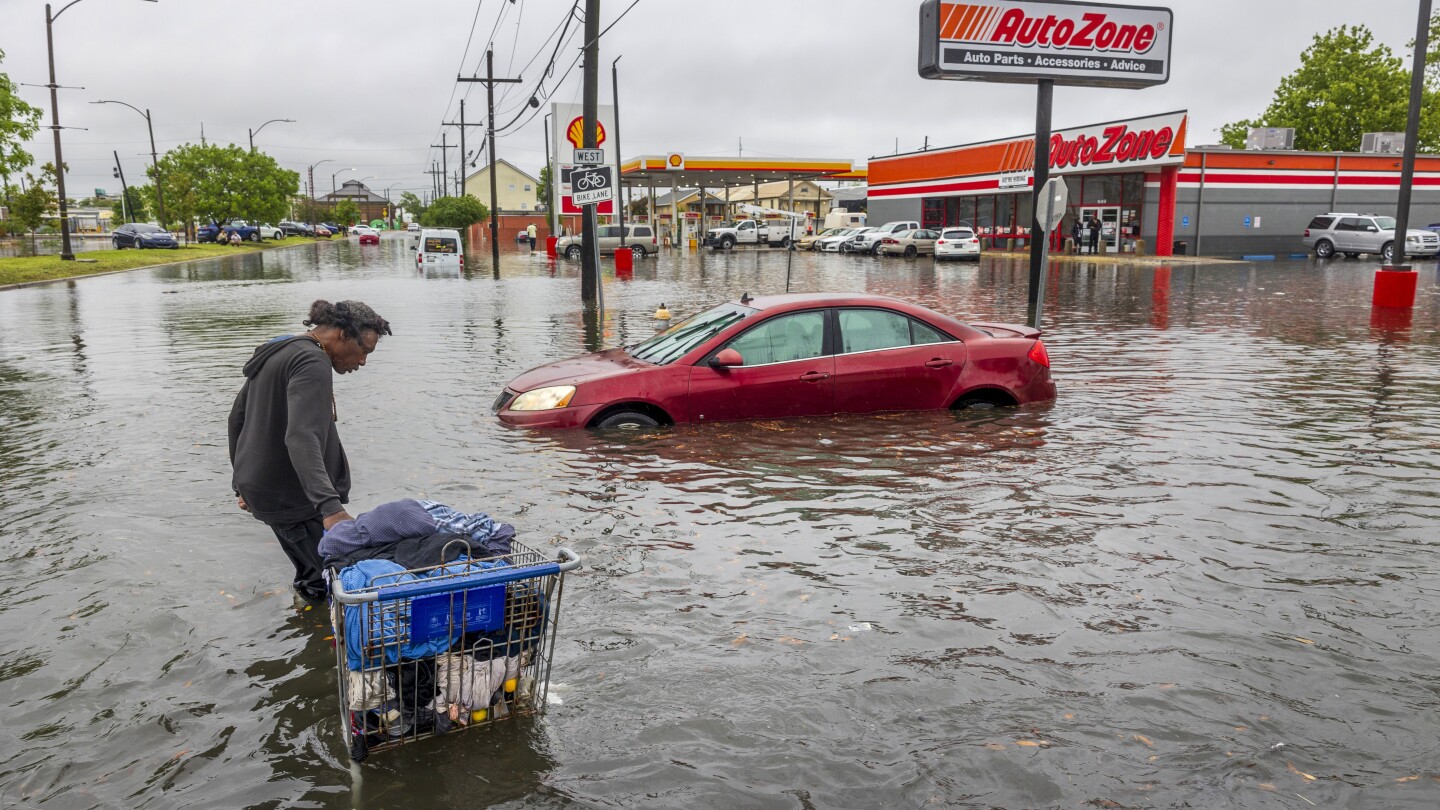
point(290, 470)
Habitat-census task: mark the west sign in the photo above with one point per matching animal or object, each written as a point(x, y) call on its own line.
point(1088, 44)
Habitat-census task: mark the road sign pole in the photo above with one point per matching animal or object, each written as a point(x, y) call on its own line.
point(1039, 242)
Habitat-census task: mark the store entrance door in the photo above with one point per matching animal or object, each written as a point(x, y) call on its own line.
point(1109, 216)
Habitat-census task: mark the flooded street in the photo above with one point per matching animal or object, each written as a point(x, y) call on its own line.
point(1205, 576)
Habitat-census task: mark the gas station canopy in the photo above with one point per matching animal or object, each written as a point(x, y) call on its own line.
point(662, 171)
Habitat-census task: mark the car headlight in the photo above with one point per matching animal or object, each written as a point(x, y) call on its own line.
point(544, 399)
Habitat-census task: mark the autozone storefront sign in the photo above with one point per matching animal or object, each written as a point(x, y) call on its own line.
point(1124, 144)
point(1135, 144)
point(1090, 44)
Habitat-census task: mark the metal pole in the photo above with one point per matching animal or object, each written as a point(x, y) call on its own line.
point(444, 163)
point(66, 254)
point(464, 156)
point(1412, 131)
point(590, 269)
point(124, 189)
point(155, 162)
point(674, 213)
point(1044, 94)
point(251, 132)
point(550, 189)
point(1044, 272)
point(619, 161)
point(1200, 204)
point(494, 180)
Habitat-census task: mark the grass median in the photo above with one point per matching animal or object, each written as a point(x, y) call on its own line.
point(22, 269)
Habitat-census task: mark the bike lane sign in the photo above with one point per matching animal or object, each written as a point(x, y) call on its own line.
point(591, 185)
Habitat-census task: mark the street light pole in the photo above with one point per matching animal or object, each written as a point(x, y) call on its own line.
point(619, 161)
point(66, 253)
point(310, 207)
point(154, 158)
point(266, 124)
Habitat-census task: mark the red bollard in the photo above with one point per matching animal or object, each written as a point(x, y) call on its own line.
point(550, 245)
point(1394, 288)
point(624, 262)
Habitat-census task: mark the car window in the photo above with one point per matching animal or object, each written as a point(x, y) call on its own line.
point(675, 342)
point(1385, 223)
point(1320, 223)
point(609, 232)
point(921, 335)
point(800, 336)
point(440, 244)
point(643, 230)
point(147, 229)
point(961, 233)
point(1350, 224)
point(867, 330)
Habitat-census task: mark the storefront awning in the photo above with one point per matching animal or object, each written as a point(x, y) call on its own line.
point(661, 171)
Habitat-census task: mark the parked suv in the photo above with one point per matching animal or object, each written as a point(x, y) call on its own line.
point(639, 239)
point(1353, 234)
point(869, 240)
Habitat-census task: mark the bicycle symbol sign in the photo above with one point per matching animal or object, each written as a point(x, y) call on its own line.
point(591, 185)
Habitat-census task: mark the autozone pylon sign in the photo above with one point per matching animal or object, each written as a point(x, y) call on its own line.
point(1088, 44)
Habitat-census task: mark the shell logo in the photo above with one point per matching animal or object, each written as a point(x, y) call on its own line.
point(675, 161)
point(575, 133)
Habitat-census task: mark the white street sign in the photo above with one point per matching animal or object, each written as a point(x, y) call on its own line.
point(1050, 208)
point(591, 186)
point(589, 157)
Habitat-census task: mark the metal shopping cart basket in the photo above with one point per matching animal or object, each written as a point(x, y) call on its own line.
point(429, 651)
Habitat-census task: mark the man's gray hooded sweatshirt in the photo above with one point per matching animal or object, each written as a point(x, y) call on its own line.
point(289, 465)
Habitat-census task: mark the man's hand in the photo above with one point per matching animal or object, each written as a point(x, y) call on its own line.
point(240, 502)
point(338, 517)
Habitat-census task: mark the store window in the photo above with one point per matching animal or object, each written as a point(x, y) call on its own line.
point(1103, 189)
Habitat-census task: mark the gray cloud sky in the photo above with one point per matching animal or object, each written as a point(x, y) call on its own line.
point(369, 82)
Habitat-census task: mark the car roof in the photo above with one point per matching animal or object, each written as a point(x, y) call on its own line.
point(793, 300)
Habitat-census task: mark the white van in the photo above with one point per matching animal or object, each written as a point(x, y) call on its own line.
point(840, 218)
point(439, 249)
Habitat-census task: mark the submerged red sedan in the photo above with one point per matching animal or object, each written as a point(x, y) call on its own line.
point(787, 355)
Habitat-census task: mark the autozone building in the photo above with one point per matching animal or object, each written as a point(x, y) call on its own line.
point(1139, 178)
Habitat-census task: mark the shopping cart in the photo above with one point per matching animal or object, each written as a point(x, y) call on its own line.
point(454, 646)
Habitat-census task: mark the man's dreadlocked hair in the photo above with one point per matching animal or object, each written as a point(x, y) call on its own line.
point(350, 317)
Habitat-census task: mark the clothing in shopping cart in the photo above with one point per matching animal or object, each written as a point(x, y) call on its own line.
point(391, 523)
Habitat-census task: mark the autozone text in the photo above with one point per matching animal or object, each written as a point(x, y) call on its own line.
point(1117, 144)
point(1092, 31)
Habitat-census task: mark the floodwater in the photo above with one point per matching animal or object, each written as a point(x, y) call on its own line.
point(50, 245)
point(1204, 577)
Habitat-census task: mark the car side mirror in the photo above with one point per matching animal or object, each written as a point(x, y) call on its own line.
point(1373, 229)
point(726, 359)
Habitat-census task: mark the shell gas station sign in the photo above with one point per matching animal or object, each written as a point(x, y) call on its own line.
point(569, 135)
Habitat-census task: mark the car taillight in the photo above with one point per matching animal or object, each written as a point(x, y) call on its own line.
point(1307, 231)
point(1039, 355)
point(462, 259)
point(974, 241)
point(939, 241)
point(890, 241)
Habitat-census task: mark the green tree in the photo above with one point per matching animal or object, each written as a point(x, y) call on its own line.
point(218, 183)
point(640, 207)
point(455, 212)
point(137, 202)
point(346, 212)
point(1346, 85)
point(543, 192)
point(412, 204)
point(18, 123)
point(29, 207)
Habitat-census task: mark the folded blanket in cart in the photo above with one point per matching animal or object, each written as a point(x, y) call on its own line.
point(374, 533)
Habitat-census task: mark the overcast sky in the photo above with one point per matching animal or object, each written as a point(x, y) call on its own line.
point(369, 83)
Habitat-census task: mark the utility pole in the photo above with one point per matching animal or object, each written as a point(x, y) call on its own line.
point(619, 161)
point(464, 156)
point(490, 81)
point(590, 255)
point(444, 148)
point(434, 181)
point(66, 254)
point(124, 190)
point(549, 189)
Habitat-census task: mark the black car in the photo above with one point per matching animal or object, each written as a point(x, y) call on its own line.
point(295, 228)
point(142, 235)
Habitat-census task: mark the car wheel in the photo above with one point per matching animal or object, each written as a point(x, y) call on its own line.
point(1352, 255)
point(727, 243)
point(573, 252)
point(784, 242)
point(629, 420)
point(116, 243)
point(637, 251)
point(255, 237)
point(875, 249)
point(1324, 249)
point(910, 251)
point(1388, 252)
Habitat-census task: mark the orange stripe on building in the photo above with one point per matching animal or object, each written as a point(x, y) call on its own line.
point(986, 159)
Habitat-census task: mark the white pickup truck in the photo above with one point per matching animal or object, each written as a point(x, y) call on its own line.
point(780, 229)
point(869, 241)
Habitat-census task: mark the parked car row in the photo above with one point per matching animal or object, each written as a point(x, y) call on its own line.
point(901, 238)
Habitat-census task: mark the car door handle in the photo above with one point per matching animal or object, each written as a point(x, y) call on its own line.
point(814, 376)
point(939, 362)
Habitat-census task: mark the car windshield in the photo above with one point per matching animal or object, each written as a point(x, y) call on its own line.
point(148, 229)
point(675, 342)
point(1385, 223)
